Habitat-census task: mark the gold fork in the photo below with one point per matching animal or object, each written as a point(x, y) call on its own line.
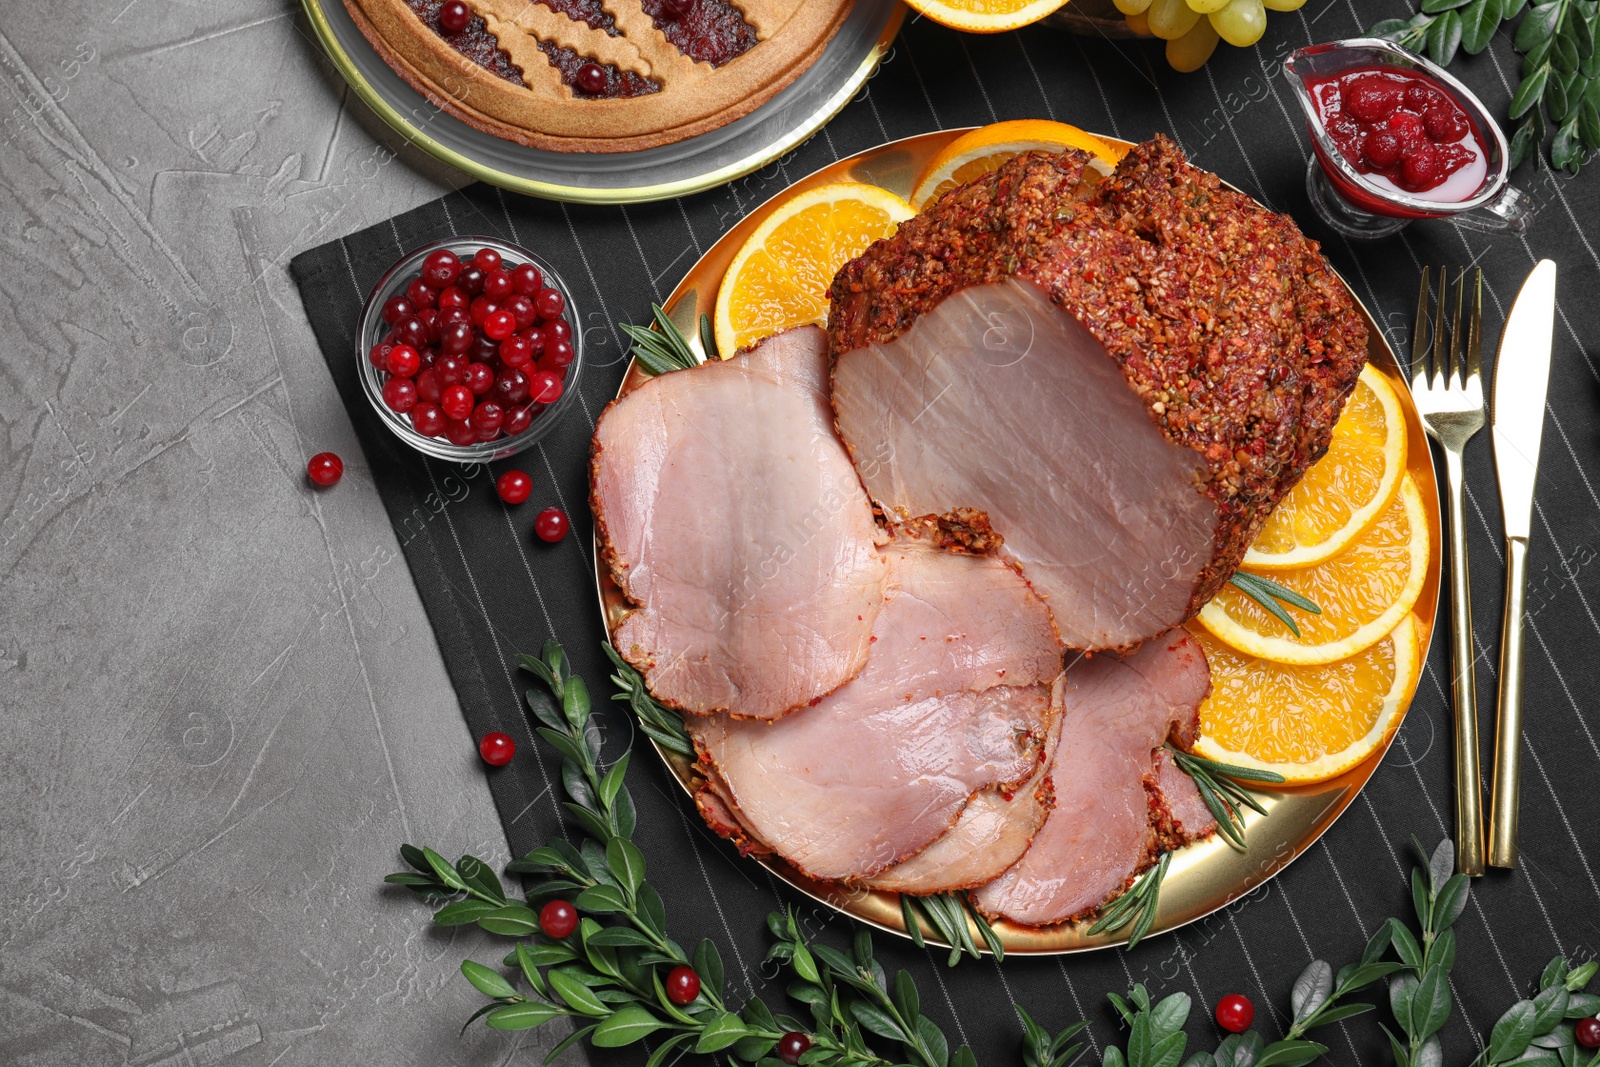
point(1448, 391)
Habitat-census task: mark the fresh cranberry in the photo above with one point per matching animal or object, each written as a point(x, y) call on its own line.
point(460, 432)
point(454, 16)
point(479, 378)
point(480, 309)
point(427, 419)
point(403, 361)
point(536, 339)
point(325, 469)
point(485, 349)
point(544, 387)
point(511, 387)
point(527, 279)
point(456, 338)
point(516, 352)
point(400, 394)
point(1235, 1013)
point(456, 402)
point(1445, 123)
point(1372, 97)
point(591, 79)
point(396, 308)
point(380, 354)
point(497, 749)
point(518, 419)
point(1421, 168)
point(486, 260)
point(471, 280)
point(453, 296)
point(558, 919)
point(683, 985)
point(411, 331)
point(487, 418)
point(559, 353)
point(429, 388)
point(430, 319)
point(497, 284)
point(513, 486)
point(557, 330)
point(1588, 1032)
point(549, 303)
point(441, 267)
point(521, 307)
point(792, 1046)
point(500, 324)
point(421, 294)
point(453, 316)
point(451, 370)
point(1382, 148)
point(1419, 97)
point(551, 525)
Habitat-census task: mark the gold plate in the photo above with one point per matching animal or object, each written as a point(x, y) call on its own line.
point(1204, 876)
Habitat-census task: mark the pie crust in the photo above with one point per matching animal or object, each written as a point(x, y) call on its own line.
point(543, 112)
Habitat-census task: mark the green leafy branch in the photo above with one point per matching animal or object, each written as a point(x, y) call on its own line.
point(1560, 85)
point(1542, 1031)
point(1419, 993)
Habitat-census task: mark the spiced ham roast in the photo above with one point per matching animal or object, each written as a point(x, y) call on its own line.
point(1119, 377)
point(954, 701)
point(729, 513)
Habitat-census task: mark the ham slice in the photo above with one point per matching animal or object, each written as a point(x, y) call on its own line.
point(954, 700)
point(1102, 832)
point(729, 512)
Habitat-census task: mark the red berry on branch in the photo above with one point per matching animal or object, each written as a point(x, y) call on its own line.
point(514, 487)
point(325, 468)
point(1235, 1013)
point(683, 985)
point(792, 1046)
point(550, 525)
point(558, 918)
point(1588, 1032)
point(497, 749)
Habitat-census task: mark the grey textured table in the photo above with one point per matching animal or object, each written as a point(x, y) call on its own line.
point(221, 706)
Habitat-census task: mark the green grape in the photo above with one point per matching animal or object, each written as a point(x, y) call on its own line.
point(1241, 23)
point(1137, 7)
point(1283, 5)
point(1139, 23)
point(1171, 19)
point(1191, 51)
point(1206, 7)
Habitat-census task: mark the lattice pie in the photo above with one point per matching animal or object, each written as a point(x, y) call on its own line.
point(598, 75)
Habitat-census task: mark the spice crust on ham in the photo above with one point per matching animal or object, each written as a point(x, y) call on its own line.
point(1236, 337)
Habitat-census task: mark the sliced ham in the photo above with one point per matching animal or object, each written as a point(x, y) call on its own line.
point(1119, 378)
point(1178, 812)
point(730, 514)
point(1116, 710)
point(954, 700)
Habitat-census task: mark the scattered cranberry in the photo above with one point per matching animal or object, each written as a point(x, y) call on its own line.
point(549, 303)
point(544, 387)
point(325, 469)
point(460, 432)
point(486, 419)
point(592, 79)
point(441, 267)
point(1235, 1013)
point(400, 394)
point(496, 284)
point(1382, 148)
point(497, 749)
point(500, 323)
point(403, 361)
point(527, 279)
point(486, 260)
point(1372, 97)
point(683, 985)
point(550, 525)
point(454, 16)
point(1588, 1032)
point(558, 918)
point(513, 487)
point(518, 419)
point(478, 378)
point(427, 419)
point(792, 1046)
point(396, 308)
point(456, 401)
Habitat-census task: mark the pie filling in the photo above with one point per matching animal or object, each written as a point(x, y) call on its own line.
point(618, 82)
point(475, 42)
point(707, 31)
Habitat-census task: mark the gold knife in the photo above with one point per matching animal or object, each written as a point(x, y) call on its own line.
point(1521, 377)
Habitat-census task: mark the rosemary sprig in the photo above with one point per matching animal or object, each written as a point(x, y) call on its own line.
point(1560, 84)
point(1138, 905)
point(1219, 787)
point(1268, 593)
point(948, 915)
point(665, 348)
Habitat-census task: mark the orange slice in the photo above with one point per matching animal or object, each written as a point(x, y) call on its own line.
point(780, 277)
point(1363, 592)
point(985, 16)
point(1306, 723)
point(974, 154)
point(1344, 492)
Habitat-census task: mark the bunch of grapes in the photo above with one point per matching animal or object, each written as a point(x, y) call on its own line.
point(1192, 28)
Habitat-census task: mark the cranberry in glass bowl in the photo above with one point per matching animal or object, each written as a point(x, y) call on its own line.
point(463, 342)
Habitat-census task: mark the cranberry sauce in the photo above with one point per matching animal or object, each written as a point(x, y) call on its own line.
point(591, 80)
point(586, 11)
point(1403, 132)
point(707, 31)
point(472, 39)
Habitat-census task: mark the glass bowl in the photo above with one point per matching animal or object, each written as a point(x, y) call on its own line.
point(373, 328)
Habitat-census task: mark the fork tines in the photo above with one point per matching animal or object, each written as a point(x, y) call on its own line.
point(1459, 365)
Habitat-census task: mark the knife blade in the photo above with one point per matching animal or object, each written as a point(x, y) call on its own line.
point(1521, 379)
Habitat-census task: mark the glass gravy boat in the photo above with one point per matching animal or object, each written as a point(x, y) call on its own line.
point(1355, 205)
